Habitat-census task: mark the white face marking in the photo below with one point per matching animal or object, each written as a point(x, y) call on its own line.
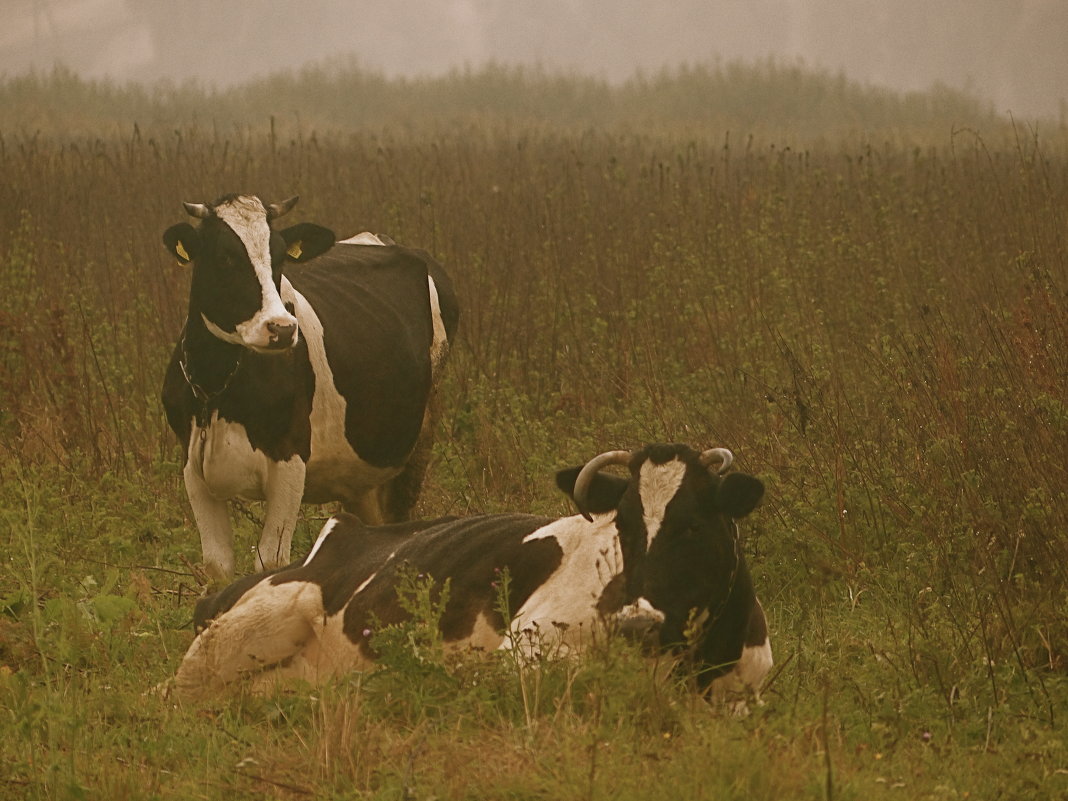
point(248, 219)
point(657, 485)
point(327, 528)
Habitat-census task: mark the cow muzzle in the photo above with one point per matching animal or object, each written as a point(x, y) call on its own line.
point(639, 619)
point(269, 334)
point(281, 336)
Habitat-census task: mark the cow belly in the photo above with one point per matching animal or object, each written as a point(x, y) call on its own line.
point(344, 479)
point(223, 457)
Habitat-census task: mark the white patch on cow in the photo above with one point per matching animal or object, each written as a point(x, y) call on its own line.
point(248, 218)
point(440, 346)
point(269, 625)
point(221, 455)
point(562, 612)
point(323, 534)
point(754, 664)
point(363, 238)
point(743, 682)
point(334, 653)
point(657, 485)
point(335, 471)
point(368, 580)
point(232, 337)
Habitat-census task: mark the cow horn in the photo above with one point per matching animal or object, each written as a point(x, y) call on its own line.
point(713, 455)
point(589, 470)
point(198, 210)
point(276, 210)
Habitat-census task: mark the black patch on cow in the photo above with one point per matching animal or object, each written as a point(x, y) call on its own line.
point(613, 596)
point(210, 607)
point(472, 555)
point(719, 645)
point(373, 302)
point(350, 553)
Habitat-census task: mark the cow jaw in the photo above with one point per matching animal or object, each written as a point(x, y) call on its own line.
point(247, 217)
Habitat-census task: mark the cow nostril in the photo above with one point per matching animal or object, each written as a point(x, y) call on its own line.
point(281, 333)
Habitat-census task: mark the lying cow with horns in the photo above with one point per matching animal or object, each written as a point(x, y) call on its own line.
point(312, 385)
point(657, 553)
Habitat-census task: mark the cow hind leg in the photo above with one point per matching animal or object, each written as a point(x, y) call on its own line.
point(266, 632)
point(367, 507)
point(400, 494)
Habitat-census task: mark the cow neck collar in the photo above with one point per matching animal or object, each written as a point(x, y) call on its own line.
point(734, 576)
point(207, 385)
point(709, 617)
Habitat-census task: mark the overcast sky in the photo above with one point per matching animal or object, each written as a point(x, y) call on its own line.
point(1011, 52)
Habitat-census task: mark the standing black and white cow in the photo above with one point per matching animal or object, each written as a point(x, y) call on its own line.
point(657, 553)
point(314, 385)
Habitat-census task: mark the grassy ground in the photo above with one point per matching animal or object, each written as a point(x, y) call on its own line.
point(878, 331)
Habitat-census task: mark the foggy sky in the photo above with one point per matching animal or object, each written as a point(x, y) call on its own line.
point(1010, 52)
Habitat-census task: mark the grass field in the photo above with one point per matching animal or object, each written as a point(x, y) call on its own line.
point(872, 317)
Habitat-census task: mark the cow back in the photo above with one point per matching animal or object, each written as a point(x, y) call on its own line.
point(374, 306)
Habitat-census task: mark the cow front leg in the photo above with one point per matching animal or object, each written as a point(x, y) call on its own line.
point(213, 520)
point(285, 489)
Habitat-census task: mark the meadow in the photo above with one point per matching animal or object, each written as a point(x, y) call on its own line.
point(862, 295)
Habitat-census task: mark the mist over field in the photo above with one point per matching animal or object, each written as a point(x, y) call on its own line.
point(1010, 53)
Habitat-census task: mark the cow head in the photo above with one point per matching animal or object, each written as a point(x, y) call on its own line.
point(675, 517)
point(237, 268)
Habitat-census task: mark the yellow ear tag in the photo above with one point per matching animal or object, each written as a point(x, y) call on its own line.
point(295, 250)
point(181, 251)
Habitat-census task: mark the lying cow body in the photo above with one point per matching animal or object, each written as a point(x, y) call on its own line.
point(657, 552)
point(314, 385)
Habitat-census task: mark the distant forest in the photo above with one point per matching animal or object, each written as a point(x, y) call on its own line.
point(768, 100)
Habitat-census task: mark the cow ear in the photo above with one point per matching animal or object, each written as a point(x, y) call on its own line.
point(738, 494)
point(604, 493)
point(183, 241)
point(305, 241)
